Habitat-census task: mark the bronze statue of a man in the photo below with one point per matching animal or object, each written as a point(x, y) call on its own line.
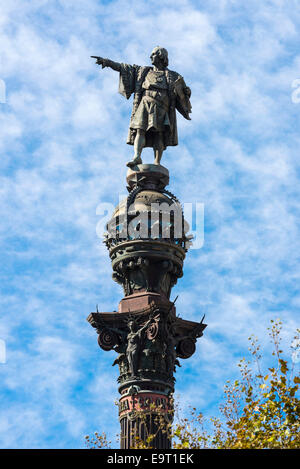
point(157, 91)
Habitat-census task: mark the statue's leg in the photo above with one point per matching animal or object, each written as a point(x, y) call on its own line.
point(158, 147)
point(130, 363)
point(139, 143)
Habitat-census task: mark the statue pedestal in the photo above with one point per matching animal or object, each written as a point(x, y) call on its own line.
point(148, 176)
point(147, 256)
point(139, 301)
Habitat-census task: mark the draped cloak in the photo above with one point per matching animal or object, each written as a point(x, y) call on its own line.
point(131, 82)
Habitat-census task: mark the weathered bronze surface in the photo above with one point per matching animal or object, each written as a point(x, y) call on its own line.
point(147, 240)
point(146, 333)
point(148, 342)
point(158, 93)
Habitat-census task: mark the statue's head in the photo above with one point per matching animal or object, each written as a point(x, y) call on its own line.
point(132, 325)
point(159, 55)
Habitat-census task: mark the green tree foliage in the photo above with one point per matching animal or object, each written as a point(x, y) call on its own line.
point(261, 410)
point(97, 441)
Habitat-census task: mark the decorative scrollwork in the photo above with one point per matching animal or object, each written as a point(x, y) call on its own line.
point(186, 348)
point(152, 331)
point(107, 339)
point(132, 415)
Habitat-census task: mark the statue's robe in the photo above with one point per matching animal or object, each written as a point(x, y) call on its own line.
point(133, 80)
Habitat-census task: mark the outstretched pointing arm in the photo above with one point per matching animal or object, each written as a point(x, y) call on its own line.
point(128, 72)
point(107, 63)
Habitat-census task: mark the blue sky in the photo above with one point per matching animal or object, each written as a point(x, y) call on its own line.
point(62, 143)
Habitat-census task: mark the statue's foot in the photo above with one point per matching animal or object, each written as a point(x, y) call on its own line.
point(134, 162)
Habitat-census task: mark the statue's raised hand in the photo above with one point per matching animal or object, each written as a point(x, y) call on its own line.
point(107, 63)
point(99, 60)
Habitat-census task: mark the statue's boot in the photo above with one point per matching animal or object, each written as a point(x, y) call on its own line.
point(134, 162)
